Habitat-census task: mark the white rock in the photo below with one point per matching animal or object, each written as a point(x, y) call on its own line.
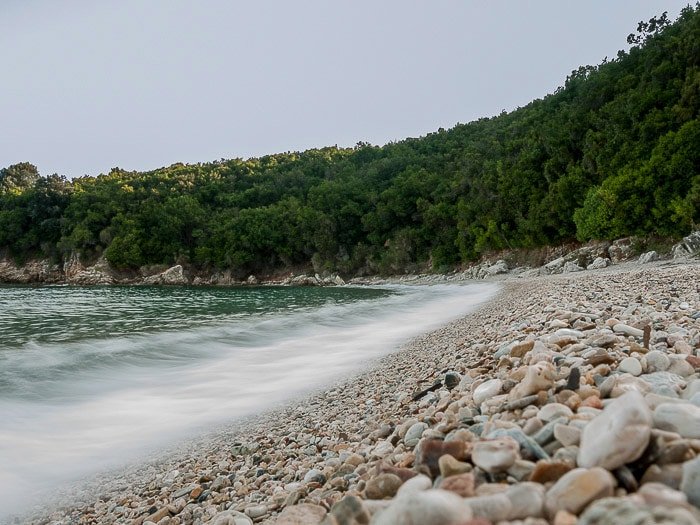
point(414, 434)
point(622, 328)
point(657, 361)
point(682, 418)
point(487, 389)
point(496, 455)
point(648, 257)
point(554, 410)
point(429, 507)
point(630, 365)
point(527, 500)
point(690, 483)
point(577, 488)
point(570, 267)
point(598, 263)
point(493, 507)
point(618, 435)
point(539, 376)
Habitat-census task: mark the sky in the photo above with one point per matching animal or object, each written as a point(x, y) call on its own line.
point(90, 85)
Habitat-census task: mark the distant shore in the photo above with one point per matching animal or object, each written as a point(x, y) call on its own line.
point(357, 439)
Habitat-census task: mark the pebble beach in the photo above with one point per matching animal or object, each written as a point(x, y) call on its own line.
point(568, 399)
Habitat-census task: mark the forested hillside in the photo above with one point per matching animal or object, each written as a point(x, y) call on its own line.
point(615, 151)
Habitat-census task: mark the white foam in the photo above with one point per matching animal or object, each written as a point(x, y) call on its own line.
point(151, 390)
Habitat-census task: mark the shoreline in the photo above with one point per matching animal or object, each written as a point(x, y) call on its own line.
point(294, 454)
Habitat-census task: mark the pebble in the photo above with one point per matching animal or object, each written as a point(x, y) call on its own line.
point(618, 435)
point(496, 455)
point(577, 488)
point(429, 507)
point(301, 514)
point(383, 486)
point(630, 365)
point(690, 482)
point(568, 391)
point(682, 418)
point(486, 390)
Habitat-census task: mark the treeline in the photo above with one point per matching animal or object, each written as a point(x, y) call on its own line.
point(613, 152)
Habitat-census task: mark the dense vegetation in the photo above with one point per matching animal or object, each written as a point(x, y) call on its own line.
point(614, 152)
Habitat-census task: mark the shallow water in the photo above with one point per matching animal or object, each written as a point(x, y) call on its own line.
point(90, 377)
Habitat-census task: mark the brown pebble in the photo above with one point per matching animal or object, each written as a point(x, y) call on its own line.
point(547, 470)
point(593, 402)
point(428, 454)
point(462, 484)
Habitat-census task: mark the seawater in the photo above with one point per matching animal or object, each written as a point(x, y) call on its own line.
point(93, 377)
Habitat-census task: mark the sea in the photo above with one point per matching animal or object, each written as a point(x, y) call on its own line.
point(92, 378)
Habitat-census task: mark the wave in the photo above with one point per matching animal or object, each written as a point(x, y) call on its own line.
point(69, 410)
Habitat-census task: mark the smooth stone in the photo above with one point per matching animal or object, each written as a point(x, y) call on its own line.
point(619, 511)
point(659, 494)
point(664, 383)
point(486, 390)
point(256, 511)
point(462, 484)
point(521, 348)
point(301, 514)
point(450, 466)
point(538, 377)
point(350, 511)
point(657, 361)
point(521, 469)
point(554, 410)
point(429, 507)
point(429, 451)
point(630, 365)
point(527, 500)
point(577, 488)
point(494, 507)
point(452, 379)
point(496, 455)
point(670, 475)
point(529, 445)
point(546, 471)
point(418, 483)
point(567, 435)
point(618, 435)
point(314, 476)
point(690, 482)
point(682, 418)
point(231, 517)
point(622, 328)
point(413, 434)
point(383, 486)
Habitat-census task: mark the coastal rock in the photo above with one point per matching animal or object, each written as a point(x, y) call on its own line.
point(648, 257)
point(578, 488)
point(617, 436)
point(688, 247)
point(170, 276)
point(449, 466)
point(598, 263)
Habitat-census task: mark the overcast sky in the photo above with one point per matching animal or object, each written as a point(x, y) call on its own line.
point(88, 85)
